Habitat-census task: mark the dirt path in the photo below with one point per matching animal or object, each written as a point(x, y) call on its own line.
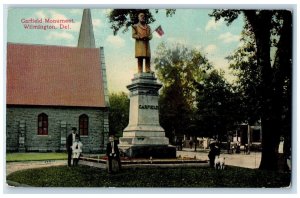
point(16, 166)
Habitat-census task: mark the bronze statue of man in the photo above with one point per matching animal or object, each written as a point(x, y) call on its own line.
point(141, 32)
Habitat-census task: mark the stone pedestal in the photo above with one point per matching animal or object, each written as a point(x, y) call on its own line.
point(144, 137)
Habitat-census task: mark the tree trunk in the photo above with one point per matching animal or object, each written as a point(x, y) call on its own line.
point(282, 83)
point(261, 25)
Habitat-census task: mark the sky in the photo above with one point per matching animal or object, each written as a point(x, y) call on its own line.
point(192, 27)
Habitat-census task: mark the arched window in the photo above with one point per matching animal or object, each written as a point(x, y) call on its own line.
point(42, 124)
point(83, 124)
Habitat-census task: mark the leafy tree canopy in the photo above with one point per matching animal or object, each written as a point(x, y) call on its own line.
point(217, 105)
point(119, 113)
point(179, 69)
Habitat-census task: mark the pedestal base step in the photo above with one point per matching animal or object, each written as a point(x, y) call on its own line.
point(154, 151)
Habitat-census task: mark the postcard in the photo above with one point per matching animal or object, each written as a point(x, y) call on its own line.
point(134, 98)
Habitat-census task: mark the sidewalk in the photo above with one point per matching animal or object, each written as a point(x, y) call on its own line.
point(242, 160)
point(16, 166)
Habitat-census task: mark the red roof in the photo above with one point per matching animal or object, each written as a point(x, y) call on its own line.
point(54, 75)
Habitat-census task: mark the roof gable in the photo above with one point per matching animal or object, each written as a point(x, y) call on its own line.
point(54, 75)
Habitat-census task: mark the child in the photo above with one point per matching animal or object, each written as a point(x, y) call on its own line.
point(77, 150)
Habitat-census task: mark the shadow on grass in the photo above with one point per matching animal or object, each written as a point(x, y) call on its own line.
point(85, 176)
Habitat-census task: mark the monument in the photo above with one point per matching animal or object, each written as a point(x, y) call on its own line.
point(144, 137)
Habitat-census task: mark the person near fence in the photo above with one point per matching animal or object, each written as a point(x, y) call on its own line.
point(113, 155)
point(70, 140)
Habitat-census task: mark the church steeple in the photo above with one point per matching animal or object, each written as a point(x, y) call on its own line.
point(86, 36)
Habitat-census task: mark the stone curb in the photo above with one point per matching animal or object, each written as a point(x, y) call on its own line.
point(128, 166)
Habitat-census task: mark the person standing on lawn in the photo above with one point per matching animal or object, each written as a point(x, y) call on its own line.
point(214, 151)
point(70, 140)
point(113, 155)
point(77, 150)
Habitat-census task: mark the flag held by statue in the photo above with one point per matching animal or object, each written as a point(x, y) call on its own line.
point(159, 31)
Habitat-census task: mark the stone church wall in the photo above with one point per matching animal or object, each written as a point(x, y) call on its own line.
point(22, 128)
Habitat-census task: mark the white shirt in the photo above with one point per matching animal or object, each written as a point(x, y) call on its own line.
point(280, 148)
point(73, 137)
point(77, 149)
point(112, 147)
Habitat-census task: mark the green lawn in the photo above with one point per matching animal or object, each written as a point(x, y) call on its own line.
point(85, 176)
point(16, 157)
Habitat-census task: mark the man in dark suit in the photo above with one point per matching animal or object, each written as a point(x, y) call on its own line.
point(112, 152)
point(70, 140)
point(214, 151)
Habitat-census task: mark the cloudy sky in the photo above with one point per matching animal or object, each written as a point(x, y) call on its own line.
point(191, 27)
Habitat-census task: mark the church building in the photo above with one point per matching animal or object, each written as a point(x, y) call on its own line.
point(51, 89)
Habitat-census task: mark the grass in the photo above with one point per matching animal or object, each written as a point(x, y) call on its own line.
point(18, 157)
point(85, 176)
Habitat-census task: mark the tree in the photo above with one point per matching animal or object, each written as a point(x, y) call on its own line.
point(179, 69)
point(249, 84)
point(118, 113)
point(124, 18)
point(217, 106)
point(276, 78)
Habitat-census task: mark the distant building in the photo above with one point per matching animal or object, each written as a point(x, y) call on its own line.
point(51, 89)
point(246, 134)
